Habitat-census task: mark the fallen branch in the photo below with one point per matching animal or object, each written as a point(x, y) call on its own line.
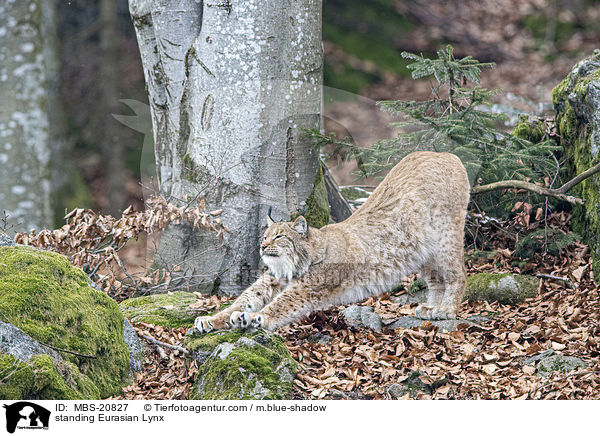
point(560, 193)
point(567, 281)
point(88, 356)
point(164, 344)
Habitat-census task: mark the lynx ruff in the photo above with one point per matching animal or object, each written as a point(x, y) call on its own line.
point(412, 223)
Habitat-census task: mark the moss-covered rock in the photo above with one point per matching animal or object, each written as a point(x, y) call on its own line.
point(44, 378)
point(577, 103)
point(175, 309)
point(239, 365)
point(559, 363)
point(504, 288)
point(51, 301)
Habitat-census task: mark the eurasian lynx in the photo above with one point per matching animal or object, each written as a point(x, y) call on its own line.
point(412, 223)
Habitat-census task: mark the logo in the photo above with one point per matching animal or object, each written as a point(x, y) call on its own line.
point(26, 415)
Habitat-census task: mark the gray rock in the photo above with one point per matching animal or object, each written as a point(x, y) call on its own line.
point(242, 365)
point(285, 375)
point(319, 338)
point(406, 298)
point(362, 316)
point(247, 342)
point(223, 350)
point(412, 385)
point(17, 343)
point(560, 363)
point(397, 391)
point(537, 357)
point(259, 392)
point(136, 348)
point(445, 325)
point(336, 394)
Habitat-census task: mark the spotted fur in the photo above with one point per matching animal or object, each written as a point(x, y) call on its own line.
point(412, 223)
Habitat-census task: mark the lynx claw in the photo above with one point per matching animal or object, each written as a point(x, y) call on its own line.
point(257, 321)
point(239, 319)
point(203, 324)
point(246, 320)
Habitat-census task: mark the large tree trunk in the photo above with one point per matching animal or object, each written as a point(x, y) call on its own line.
point(26, 67)
point(232, 85)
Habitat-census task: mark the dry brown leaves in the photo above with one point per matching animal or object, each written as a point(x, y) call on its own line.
point(486, 362)
point(92, 241)
point(166, 375)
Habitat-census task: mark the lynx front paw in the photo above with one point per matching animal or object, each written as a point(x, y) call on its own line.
point(245, 320)
point(444, 312)
point(204, 324)
point(424, 312)
point(240, 320)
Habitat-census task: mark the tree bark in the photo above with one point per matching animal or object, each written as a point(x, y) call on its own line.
point(232, 86)
point(25, 129)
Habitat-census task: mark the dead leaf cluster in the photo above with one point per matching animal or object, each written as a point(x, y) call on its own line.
point(92, 241)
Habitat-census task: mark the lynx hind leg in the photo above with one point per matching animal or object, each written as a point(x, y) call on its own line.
point(456, 283)
point(252, 299)
point(435, 293)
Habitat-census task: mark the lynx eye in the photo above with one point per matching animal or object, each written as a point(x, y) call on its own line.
point(278, 237)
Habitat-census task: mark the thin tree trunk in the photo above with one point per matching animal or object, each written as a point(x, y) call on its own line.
point(232, 86)
point(24, 114)
point(111, 145)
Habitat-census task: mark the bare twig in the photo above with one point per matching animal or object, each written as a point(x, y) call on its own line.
point(164, 344)
point(88, 356)
point(559, 193)
point(552, 277)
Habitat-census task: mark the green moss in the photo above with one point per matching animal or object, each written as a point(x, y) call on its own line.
point(51, 301)
point(575, 138)
point(559, 363)
point(190, 169)
point(168, 310)
point(317, 203)
point(532, 243)
point(531, 129)
point(210, 341)
point(504, 288)
point(43, 378)
point(248, 371)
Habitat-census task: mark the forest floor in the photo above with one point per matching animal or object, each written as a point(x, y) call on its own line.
point(486, 361)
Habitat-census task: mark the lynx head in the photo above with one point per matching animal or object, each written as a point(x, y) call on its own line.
point(283, 248)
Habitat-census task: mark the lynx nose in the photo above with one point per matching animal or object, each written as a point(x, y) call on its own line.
point(262, 248)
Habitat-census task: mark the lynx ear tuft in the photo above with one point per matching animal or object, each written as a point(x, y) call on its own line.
point(300, 225)
point(270, 221)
